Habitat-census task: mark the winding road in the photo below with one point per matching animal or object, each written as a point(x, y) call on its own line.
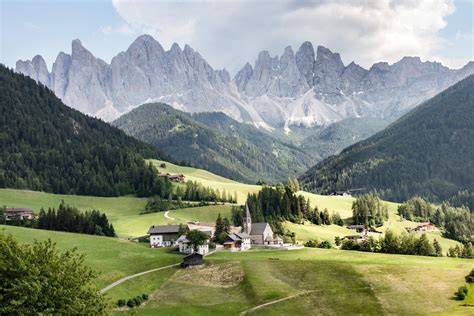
point(108, 287)
point(112, 285)
point(169, 217)
point(273, 302)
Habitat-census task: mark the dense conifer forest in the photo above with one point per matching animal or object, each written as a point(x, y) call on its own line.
point(47, 146)
point(429, 152)
point(67, 219)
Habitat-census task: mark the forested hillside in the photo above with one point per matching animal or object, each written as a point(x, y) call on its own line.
point(47, 146)
point(215, 142)
point(428, 152)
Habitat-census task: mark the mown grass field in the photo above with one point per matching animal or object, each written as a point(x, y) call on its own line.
point(331, 282)
point(123, 212)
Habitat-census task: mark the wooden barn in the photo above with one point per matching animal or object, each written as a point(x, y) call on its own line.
point(194, 259)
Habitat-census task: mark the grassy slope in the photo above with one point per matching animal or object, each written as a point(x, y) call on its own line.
point(124, 211)
point(112, 258)
point(339, 282)
point(209, 179)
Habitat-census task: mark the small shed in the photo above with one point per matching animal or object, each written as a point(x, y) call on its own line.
point(194, 259)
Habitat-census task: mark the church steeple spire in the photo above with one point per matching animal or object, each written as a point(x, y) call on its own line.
point(247, 220)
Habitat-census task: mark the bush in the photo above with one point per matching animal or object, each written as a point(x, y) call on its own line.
point(121, 302)
point(311, 244)
point(145, 297)
point(470, 277)
point(349, 245)
point(131, 303)
point(461, 293)
point(325, 244)
point(138, 300)
point(162, 165)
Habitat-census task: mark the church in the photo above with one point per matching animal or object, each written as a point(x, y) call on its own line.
point(260, 233)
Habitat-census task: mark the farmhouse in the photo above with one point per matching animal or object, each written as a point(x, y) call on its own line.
point(355, 238)
point(237, 242)
point(163, 236)
point(172, 177)
point(363, 230)
point(425, 227)
point(357, 228)
point(184, 246)
point(194, 259)
point(342, 193)
point(20, 213)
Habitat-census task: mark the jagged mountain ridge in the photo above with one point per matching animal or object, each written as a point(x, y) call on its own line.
point(303, 88)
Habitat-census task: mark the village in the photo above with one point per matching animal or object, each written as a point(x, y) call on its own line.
point(249, 236)
point(238, 238)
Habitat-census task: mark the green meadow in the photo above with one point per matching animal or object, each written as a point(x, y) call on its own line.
point(124, 212)
point(316, 281)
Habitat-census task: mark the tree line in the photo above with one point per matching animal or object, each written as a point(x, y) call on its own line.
point(281, 203)
point(369, 210)
point(193, 191)
point(196, 191)
point(406, 244)
point(68, 219)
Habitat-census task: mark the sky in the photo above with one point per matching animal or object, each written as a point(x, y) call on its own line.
point(229, 33)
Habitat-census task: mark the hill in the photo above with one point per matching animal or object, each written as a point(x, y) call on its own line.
point(309, 280)
point(47, 146)
point(428, 152)
point(216, 143)
point(124, 212)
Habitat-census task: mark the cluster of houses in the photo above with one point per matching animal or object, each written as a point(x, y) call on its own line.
point(365, 231)
point(173, 177)
point(11, 213)
point(238, 239)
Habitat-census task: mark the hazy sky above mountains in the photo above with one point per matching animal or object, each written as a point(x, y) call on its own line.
point(230, 33)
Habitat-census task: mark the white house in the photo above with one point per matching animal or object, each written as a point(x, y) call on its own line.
point(237, 242)
point(163, 236)
point(185, 246)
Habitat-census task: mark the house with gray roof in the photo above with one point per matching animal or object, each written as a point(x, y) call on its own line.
point(185, 246)
point(163, 235)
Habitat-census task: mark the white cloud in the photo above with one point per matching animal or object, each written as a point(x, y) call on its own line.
point(124, 29)
point(230, 33)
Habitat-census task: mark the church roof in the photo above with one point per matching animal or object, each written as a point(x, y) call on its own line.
point(258, 228)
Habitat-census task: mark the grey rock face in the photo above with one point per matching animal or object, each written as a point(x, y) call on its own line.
point(305, 61)
point(36, 69)
point(302, 88)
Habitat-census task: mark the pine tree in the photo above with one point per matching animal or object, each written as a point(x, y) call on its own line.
point(437, 248)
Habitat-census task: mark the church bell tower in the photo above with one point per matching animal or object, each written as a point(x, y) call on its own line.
point(247, 220)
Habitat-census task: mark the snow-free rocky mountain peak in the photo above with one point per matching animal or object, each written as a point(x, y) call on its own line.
point(305, 87)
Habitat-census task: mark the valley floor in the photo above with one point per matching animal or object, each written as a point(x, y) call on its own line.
point(315, 281)
point(305, 282)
